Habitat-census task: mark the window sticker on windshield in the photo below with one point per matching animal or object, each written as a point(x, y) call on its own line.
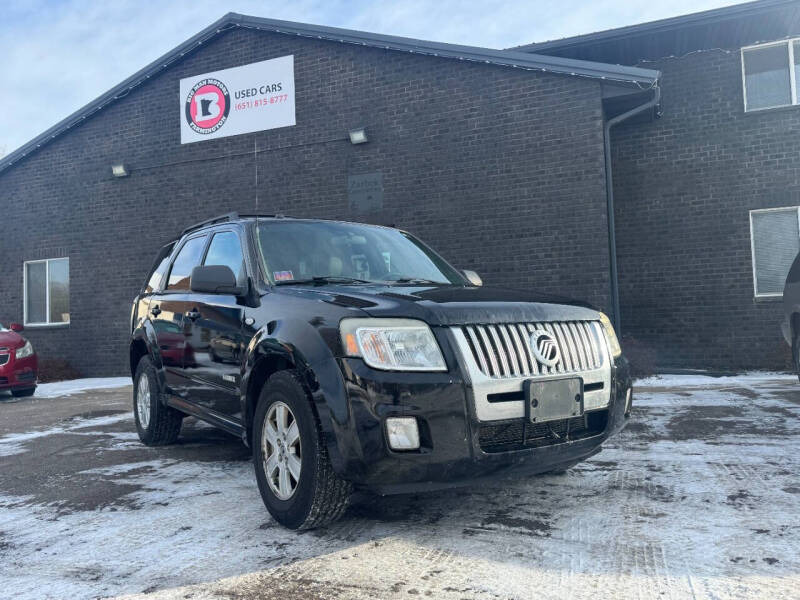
point(360, 266)
point(387, 258)
point(282, 275)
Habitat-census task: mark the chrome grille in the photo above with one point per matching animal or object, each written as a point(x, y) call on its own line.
point(504, 350)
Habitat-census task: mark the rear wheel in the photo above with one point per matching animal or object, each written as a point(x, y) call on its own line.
point(294, 474)
point(156, 423)
point(23, 393)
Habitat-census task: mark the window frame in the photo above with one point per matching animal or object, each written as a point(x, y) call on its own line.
point(792, 76)
point(165, 289)
point(234, 231)
point(772, 295)
point(47, 323)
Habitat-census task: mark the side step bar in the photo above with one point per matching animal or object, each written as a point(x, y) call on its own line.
point(232, 426)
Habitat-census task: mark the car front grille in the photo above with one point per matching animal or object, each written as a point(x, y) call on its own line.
point(504, 350)
point(519, 434)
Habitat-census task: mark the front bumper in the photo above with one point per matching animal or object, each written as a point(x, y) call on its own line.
point(17, 373)
point(453, 440)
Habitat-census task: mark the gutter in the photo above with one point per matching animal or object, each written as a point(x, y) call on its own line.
point(612, 235)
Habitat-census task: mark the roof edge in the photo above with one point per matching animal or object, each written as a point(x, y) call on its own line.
point(634, 76)
point(650, 27)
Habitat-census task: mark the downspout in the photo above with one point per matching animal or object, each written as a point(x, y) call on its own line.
point(612, 235)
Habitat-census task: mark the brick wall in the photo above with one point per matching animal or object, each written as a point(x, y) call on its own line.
point(499, 169)
point(684, 186)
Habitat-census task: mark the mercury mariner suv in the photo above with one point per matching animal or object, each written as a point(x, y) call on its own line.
point(353, 356)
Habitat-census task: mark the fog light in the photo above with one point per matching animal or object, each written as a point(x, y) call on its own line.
point(403, 433)
point(628, 403)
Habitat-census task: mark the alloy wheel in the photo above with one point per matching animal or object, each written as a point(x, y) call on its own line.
point(281, 450)
point(143, 401)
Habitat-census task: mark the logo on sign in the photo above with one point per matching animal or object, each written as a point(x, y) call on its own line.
point(207, 106)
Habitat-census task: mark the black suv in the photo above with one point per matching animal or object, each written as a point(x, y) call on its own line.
point(353, 356)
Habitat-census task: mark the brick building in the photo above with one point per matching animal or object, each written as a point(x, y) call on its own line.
point(702, 256)
point(498, 158)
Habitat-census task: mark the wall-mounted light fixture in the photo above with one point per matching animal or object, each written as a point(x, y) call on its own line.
point(119, 170)
point(358, 136)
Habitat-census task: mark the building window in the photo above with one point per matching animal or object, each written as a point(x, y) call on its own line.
point(46, 291)
point(775, 242)
point(769, 74)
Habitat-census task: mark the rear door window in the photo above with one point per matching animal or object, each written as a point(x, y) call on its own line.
point(188, 258)
point(225, 249)
point(158, 269)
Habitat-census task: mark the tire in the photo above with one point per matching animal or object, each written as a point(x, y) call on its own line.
point(318, 496)
point(796, 354)
point(23, 393)
point(156, 423)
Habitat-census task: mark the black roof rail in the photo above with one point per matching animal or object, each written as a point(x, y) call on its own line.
point(261, 216)
point(231, 216)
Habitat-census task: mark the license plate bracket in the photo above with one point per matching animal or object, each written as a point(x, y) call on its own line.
point(553, 399)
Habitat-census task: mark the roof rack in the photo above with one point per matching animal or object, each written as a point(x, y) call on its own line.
point(231, 216)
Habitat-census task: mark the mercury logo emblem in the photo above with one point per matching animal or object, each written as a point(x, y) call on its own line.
point(545, 348)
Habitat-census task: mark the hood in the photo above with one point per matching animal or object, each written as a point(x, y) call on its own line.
point(11, 339)
point(450, 305)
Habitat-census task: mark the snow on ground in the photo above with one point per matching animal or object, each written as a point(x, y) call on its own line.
point(697, 498)
point(74, 386)
point(14, 443)
point(696, 380)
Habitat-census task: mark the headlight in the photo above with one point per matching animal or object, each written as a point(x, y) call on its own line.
point(392, 344)
point(25, 351)
point(611, 336)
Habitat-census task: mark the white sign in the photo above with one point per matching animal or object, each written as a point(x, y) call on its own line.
point(244, 99)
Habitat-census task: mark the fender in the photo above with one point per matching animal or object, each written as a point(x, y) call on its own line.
point(308, 353)
point(146, 333)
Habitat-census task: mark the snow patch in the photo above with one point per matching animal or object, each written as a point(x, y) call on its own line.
point(750, 379)
point(14, 443)
point(74, 386)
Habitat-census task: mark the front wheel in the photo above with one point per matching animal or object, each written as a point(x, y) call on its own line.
point(156, 423)
point(294, 474)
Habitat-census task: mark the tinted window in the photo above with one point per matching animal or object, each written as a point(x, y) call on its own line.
point(188, 258)
point(226, 250)
point(159, 268)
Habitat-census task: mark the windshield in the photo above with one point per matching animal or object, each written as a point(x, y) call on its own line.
point(2, 328)
point(295, 251)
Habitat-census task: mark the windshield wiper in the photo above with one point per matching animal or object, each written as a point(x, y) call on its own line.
point(413, 280)
point(324, 279)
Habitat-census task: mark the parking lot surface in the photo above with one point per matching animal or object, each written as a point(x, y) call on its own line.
point(698, 498)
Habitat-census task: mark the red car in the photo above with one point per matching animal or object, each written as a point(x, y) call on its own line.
point(19, 367)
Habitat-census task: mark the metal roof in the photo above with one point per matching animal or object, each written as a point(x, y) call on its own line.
point(632, 76)
point(708, 17)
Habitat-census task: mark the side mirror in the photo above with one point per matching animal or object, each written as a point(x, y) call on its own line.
point(16, 327)
point(473, 277)
point(215, 279)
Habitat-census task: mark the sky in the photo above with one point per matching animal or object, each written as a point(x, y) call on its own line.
point(58, 55)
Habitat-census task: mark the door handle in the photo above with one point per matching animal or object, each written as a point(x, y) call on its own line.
point(155, 311)
point(193, 315)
